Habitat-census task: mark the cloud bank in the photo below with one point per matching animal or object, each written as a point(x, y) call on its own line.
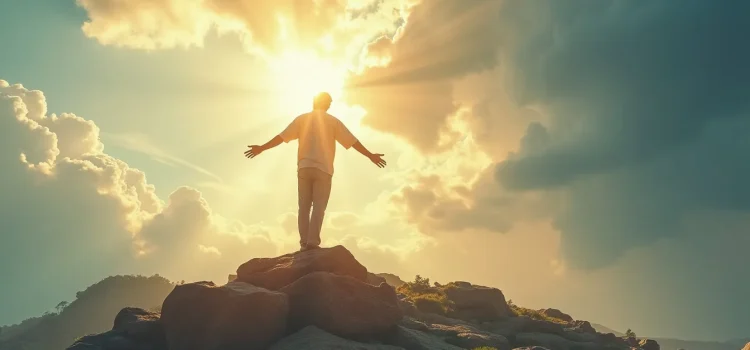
point(75, 214)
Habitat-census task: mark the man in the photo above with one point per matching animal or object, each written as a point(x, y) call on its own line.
point(317, 132)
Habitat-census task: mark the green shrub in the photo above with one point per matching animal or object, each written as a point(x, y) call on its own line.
point(426, 298)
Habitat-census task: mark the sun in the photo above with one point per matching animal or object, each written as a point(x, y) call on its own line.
point(297, 77)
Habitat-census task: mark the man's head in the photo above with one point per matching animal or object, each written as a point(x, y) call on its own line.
point(322, 101)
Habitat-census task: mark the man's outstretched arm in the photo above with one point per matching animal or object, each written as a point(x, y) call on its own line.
point(376, 158)
point(256, 150)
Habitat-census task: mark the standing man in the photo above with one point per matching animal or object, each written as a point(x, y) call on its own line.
point(317, 132)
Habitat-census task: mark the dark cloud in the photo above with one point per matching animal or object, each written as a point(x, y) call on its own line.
point(440, 41)
point(649, 115)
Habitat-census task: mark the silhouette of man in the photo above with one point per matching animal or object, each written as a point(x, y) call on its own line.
point(317, 132)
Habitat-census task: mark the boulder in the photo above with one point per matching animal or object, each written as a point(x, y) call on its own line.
point(583, 326)
point(416, 340)
point(551, 341)
point(469, 337)
point(203, 316)
point(134, 329)
point(648, 344)
point(275, 273)
point(481, 339)
point(392, 279)
point(141, 325)
point(313, 338)
point(524, 324)
point(555, 313)
point(747, 347)
point(374, 279)
point(472, 302)
point(342, 305)
point(411, 323)
point(110, 340)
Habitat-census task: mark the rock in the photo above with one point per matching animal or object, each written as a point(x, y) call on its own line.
point(414, 324)
point(583, 337)
point(747, 347)
point(551, 341)
point(473, 302)
point(275, 273)
point(342, 305)
point(555, 313)
point(202, 316)
point(392, 279)
point(313, 338)
point(134, 329)
point(140, 325)
point(524, 324)
point(111, 340)
point(583, 326)
point(415, 340)
point(648, 344)
point(407, 307)
point(469, 337)
point(476, 340)
point(374, 279)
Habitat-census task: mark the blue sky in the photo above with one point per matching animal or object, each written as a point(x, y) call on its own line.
point(583, 155)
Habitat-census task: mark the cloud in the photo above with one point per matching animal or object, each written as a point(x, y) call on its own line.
point(440, 41)
point(268, 27)
point(74, 214)
point(648, 117)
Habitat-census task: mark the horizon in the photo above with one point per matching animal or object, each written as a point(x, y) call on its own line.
point(588, 158)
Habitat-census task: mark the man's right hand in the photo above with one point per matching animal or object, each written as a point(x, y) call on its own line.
point(254, 151)
point(377, 159)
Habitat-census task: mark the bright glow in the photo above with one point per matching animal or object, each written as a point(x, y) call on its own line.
point(298, 77)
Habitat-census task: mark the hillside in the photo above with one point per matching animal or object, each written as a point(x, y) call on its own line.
point(92, 311)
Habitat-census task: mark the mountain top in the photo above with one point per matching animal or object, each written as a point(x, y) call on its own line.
point(325, 299)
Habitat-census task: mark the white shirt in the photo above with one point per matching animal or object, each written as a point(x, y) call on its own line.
point(318, 133)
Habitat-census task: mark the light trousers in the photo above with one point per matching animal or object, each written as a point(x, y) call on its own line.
point(314, 189)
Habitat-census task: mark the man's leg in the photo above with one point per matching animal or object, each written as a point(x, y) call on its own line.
point(305, 197)
point(320, 194)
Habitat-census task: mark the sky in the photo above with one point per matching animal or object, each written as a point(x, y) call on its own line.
point(584, 155)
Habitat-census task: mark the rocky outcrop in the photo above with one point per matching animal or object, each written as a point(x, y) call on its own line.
point(374, 279)
point(275, 273)
point(313, 338)
point(342, 305)
point(324, 299)
point(648, 344)
point(555, 313)
point(583, 326)
point(472, 302)
point(202, 316)
point(139, 324)
point(134, 329)
point(391, 279)
point(412, 339)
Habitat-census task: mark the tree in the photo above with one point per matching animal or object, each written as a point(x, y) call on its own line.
point(629, 333)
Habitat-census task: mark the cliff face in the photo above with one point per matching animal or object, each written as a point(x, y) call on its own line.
point(325, 299)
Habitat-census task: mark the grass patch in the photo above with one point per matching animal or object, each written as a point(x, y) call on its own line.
point(534, 314)
point(425, 297)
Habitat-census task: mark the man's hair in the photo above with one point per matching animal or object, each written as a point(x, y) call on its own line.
point(322, 101)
